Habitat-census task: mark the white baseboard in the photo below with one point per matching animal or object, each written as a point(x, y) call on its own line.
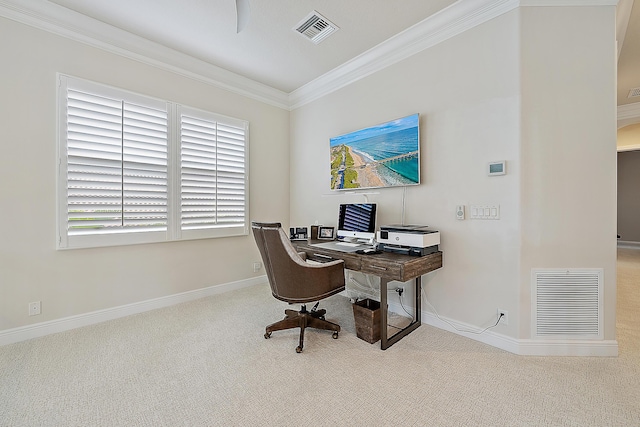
point(604, 348)
point(24, 333)
point(527, 347)
point(628, 244)
point(521, 347)
point(488, 337)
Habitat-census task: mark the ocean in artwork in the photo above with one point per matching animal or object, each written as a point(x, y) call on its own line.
point(379, 156)
point(399, 145)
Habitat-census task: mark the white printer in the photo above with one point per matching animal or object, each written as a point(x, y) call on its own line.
point(415, 240)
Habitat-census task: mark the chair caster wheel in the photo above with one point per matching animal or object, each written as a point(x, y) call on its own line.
point(267, 335)
point(335, 335)
point(298, 349)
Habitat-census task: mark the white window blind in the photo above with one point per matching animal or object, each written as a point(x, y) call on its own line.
point(116, 165)
point(118, 183)
point(213, 172)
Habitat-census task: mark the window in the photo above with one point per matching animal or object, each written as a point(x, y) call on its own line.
point(134, 169)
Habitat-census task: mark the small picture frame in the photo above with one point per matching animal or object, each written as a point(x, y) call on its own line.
point(326, 233)
point(298, 233)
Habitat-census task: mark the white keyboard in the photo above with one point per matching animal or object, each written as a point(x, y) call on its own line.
point(342, 246)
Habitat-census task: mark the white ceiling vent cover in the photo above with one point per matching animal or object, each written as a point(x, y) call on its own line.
point(634, 92)
point(567, 303)
point(316, 27)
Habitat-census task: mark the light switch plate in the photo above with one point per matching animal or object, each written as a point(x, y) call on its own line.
point(484, 211)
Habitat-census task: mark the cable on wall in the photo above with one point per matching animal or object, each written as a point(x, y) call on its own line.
point(399, 290)
point(404, 196)
point(454, 326)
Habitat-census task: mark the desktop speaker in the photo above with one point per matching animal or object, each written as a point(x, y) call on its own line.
point(314, 232)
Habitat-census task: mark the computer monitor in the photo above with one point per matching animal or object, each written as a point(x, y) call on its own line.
point(357, 222)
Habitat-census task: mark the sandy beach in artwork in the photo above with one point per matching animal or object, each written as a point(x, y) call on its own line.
point(367, 175)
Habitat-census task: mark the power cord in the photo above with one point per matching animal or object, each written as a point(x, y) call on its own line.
point(355, 294)
point(454, 326)
point(400, 291)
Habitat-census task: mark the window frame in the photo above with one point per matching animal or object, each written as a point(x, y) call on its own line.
point(173, 231)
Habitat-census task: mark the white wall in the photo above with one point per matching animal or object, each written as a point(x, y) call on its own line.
point(534, 87)
point(568, 142)
point(467, 93)
point(79, 281)
point(629, 197)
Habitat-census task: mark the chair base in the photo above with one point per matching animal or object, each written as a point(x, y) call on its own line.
point(303, 319)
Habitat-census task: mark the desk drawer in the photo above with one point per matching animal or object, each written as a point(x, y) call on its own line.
point(350, 262)
point(382, 268)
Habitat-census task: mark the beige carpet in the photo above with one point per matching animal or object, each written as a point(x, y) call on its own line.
point(206, 363)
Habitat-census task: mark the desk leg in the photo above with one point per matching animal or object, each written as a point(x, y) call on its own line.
point(418, 298)
point(384, 309)
point(385, 341)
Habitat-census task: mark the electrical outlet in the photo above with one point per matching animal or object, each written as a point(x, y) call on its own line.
point(256, 267)
point(505, 316)
point(34, 308)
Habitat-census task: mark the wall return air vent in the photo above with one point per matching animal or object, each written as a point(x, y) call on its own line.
point(567, 303)
point(316, 27)
point(635, 92)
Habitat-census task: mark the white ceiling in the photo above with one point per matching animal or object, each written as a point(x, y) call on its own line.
point(268, 59)
point(267, 50)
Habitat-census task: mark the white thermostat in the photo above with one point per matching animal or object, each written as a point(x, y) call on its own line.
point(497, 168)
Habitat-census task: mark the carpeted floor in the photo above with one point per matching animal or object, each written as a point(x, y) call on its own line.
point(206, 363)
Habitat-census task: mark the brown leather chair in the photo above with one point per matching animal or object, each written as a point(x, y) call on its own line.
point(294, 280)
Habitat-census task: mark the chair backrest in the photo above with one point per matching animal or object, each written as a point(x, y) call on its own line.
point(290, 277)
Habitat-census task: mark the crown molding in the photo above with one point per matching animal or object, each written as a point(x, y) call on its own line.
point(58, 20)
point(628, 114)
point(554, 3)
point(449, 22)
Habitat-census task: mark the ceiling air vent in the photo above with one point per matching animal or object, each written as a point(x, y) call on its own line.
point(316, 27)
point(634, 92)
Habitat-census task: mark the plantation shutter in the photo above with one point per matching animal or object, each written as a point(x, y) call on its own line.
point(134, 169)
point(145, 168)
point(213, 174)
point(116, 165)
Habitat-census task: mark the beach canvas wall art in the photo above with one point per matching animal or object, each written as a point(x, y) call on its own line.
point(385, 155)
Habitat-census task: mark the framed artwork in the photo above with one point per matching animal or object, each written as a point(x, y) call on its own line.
point(298, 233)
point(326, 233)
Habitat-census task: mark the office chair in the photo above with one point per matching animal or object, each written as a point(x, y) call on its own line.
point(294, 280)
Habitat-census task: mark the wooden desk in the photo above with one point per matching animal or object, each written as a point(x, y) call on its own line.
point(388, 266)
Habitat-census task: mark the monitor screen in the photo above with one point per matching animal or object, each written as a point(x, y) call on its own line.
point(357, 221)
